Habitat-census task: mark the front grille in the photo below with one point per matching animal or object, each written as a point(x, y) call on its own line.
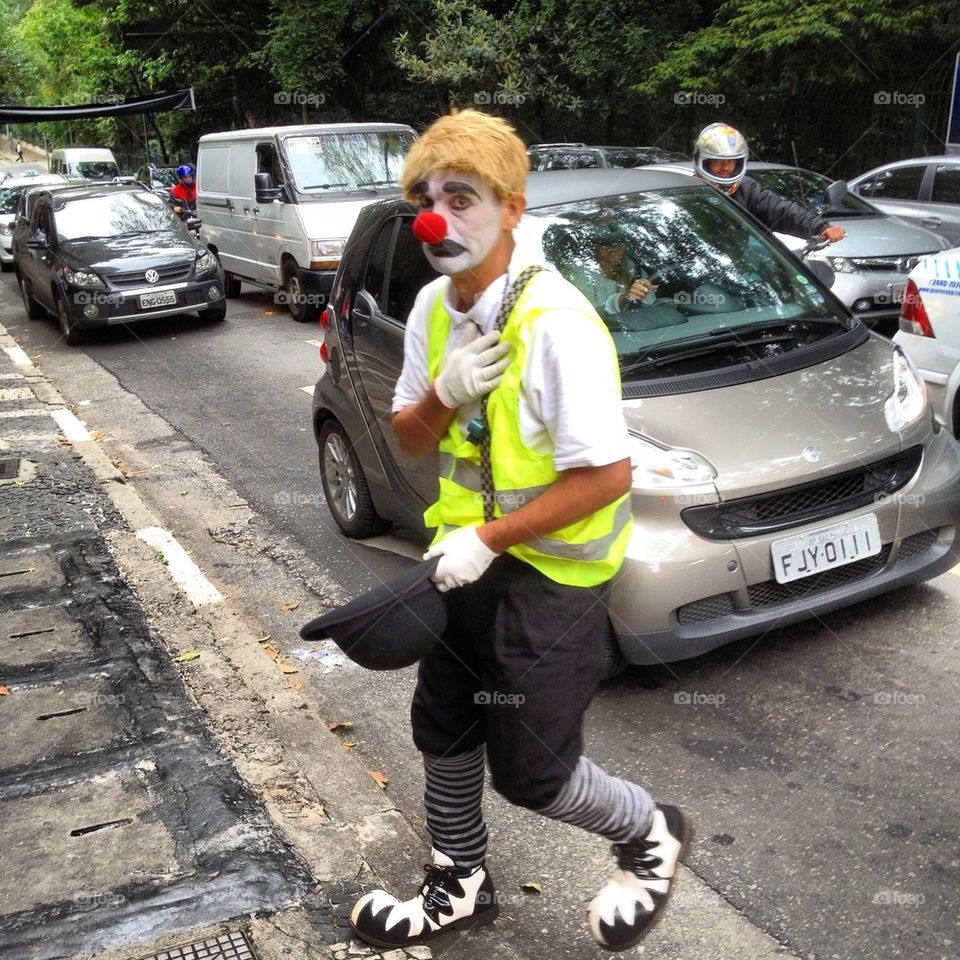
point(171, 273)
point(805, 503)
point(770, 593)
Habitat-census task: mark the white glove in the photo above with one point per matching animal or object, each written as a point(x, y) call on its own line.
point(464, 558)
point(475, 366)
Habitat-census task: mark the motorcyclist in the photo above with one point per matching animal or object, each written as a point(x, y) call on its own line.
point(183, 194)
point(720, 158)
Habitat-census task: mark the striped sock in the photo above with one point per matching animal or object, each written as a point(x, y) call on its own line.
point(617, 809)
point(453, 796)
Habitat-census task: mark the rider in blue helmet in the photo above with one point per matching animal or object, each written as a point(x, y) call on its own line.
point(184, 192)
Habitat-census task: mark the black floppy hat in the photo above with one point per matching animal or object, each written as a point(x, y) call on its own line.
point(389, 627)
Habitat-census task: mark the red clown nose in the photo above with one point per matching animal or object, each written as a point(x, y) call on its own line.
point(429, 227)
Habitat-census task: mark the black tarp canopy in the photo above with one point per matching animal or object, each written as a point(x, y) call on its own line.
point(152, 103)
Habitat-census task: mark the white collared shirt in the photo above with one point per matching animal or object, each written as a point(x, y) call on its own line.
point(569, 404)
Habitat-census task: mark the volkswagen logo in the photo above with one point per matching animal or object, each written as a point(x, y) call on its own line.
point(812, 454)
point(152, 276)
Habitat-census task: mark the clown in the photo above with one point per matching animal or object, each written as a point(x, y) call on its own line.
point(533, 519)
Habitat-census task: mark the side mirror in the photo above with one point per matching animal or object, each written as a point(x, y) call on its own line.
point(266, 190)
point(193, 223)
point(836, 192)
point(822, 271)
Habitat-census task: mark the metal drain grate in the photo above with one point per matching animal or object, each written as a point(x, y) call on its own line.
point(9, 469)
point(228, 946)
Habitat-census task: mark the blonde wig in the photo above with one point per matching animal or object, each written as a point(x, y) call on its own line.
point(472, 142)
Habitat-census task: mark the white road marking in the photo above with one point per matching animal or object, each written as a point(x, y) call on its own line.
point(955, 570)
point(17, 355)
point(308, 389)
point(73, 429)
point(183, 570)
point(32, 412)
point(315, 343)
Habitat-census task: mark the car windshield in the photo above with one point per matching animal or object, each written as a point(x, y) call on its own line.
point(717, 279)
point(166, 176)
point(9, 198)
point(107, 215)
point(809, 189)
point(341, 162)
point(640, 156)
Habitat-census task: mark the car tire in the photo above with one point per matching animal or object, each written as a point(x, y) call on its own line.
point(216, 314)
point(34, 310)
point(231, 286)
point(299, 309)
point(614, 662)
point(345, 486)
point(68, 329)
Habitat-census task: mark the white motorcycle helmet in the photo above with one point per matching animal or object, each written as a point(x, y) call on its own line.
point(719, 141)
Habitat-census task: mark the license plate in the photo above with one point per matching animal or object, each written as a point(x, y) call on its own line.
point(833, 546)
point(161, 298)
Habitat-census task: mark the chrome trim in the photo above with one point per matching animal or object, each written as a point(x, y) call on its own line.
point(136, 292)
point(149, 314)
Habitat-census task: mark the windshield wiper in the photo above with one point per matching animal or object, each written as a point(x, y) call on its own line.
point(720, 338)
point(324, 186)
point(378, 183)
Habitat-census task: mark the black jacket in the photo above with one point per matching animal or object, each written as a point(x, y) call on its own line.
point(782, 216)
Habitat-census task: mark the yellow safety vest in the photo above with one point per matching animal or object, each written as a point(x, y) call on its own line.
point(583, 554)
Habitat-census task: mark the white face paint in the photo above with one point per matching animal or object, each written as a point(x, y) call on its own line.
point(473, 215)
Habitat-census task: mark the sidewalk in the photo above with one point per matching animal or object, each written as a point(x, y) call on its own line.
point(150, 796)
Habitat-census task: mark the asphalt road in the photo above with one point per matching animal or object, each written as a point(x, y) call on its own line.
point(818, 763)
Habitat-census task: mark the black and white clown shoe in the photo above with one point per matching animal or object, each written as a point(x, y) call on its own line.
point(629, 905)
point(450, 897)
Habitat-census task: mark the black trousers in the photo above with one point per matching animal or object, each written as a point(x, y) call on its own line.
point(517, 666)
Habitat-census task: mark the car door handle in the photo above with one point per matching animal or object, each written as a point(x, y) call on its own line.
point(932, 222)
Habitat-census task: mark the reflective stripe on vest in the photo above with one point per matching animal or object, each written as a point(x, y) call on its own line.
point(584, 553)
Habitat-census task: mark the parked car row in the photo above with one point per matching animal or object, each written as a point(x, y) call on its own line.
point(785, 459)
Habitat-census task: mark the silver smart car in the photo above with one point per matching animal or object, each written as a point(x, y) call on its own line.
point(785, 460)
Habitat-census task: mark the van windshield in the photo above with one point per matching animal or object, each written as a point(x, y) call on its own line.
point(342, 162)
point(96, 169)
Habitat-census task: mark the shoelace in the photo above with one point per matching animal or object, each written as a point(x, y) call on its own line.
point(636, 858)
point(435, 896)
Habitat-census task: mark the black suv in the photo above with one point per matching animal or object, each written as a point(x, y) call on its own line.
point(580, 156)
point(95, 256)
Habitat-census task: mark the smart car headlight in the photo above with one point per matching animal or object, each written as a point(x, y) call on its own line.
point(82, 278)
point(656, 466)
point(206, 263)
point(909, 397)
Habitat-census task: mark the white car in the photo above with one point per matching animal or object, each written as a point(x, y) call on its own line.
point(10, 190)
point(930, 331)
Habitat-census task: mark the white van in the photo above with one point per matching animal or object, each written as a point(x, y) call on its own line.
point(278, 203)
point(95, 164)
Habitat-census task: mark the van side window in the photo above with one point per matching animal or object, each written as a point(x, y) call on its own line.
point(268, 162)
point(409, 272)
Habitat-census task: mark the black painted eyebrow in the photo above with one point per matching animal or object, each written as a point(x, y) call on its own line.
point(420, 187)
point(459, 186)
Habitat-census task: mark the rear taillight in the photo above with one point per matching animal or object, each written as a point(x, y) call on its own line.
point(324, 326)
point(913, 314)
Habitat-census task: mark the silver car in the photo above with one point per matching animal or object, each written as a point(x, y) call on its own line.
point(785, 461)
point(924, 191)
point(871, 263)
point(10, 191)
